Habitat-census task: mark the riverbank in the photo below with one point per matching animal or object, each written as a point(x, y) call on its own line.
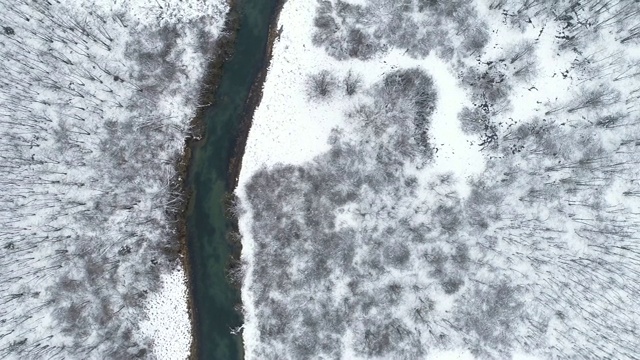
point(235, 165)
point(285, 128)
point(222, 50)
point(255, 97)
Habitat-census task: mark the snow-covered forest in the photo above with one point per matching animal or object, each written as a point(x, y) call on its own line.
point(96, 100)
point(446, 179)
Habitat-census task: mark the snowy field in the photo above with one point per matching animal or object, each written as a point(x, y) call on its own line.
point(509, 231)
point(96, 100)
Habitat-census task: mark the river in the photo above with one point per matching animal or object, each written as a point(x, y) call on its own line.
point(214, 299)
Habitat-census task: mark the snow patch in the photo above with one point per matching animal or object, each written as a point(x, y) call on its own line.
point(168, 318)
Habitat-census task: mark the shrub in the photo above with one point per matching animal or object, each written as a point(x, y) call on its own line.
point(396, 255)
point(352, 83)
point(359, 44)
point(451, 285)
point(321, 85)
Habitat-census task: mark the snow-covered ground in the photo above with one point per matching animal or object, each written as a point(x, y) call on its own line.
point(288, 129)
point(96, 101)
point(553, 93)
point(167, 318)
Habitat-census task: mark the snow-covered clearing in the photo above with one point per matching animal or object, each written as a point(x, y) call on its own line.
point(96, 98)
point(501, 235)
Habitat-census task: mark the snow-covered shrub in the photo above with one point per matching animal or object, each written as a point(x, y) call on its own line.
point(321, 85)
point(362, 31)
point(352, 83)
point(400, 114)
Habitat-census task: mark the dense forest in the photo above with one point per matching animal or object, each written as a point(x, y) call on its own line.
point(368, 252)
point(96, 100)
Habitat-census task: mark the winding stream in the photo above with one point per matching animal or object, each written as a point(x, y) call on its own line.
point(214, 298)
